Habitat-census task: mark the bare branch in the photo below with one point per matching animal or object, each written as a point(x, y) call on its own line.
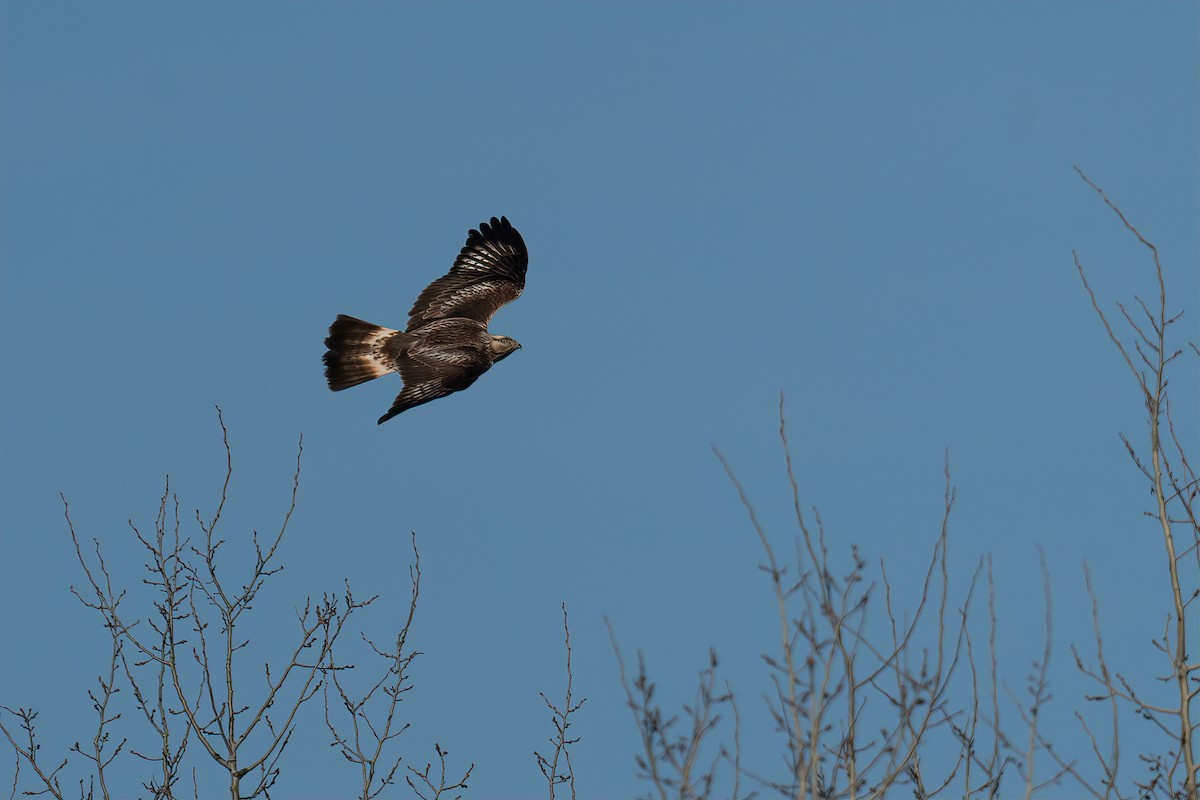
point(1173, 503)
point(424, 785)
point(364, 744)
point(561, 719)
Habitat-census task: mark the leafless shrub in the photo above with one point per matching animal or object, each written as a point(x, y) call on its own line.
point(187, 664)
point(861, 713)
point(855, 707)
point(678, 760)
point(364, 743)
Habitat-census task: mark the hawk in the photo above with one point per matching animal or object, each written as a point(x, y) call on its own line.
point(446, 345)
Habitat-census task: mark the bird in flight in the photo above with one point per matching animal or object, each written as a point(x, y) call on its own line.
point(446, 345)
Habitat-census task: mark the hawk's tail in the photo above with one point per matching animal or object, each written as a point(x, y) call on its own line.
point(359, 352)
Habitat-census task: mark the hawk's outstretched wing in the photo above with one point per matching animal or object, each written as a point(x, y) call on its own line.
point(489, 272)
point(424, 382)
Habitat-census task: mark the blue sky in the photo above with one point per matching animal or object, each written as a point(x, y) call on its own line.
point(870, 208)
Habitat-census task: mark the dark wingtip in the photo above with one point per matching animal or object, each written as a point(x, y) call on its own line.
point(496, 226)
point(497, 230)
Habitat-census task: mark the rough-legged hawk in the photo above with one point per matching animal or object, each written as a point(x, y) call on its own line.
point(446, 345)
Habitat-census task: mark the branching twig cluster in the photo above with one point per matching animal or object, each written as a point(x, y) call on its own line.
point(364, 744)
point(676, 757)
point(424, 784)
point(186, 663)
point(561, 719)
point(856, 708)
point(1164, 462)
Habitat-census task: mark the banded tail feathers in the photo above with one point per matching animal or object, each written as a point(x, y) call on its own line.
point(360, 351)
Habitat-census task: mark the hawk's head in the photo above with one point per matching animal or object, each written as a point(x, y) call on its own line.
point(503, 346)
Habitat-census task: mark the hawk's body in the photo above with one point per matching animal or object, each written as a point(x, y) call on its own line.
point(446, 345)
